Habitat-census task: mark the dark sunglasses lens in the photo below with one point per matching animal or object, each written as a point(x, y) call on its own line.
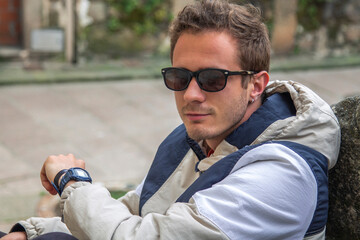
point(212, 80)
point(176, 79)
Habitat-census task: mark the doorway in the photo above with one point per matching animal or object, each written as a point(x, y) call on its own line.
point(10, 23)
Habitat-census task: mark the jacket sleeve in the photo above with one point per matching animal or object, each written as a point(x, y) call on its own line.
point(268, 196)
point(271, 193)
point(91, 213)
point(37, 226)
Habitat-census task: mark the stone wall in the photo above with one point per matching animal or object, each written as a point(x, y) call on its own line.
point(344, 178)
point(338, 33)
point(320, 27)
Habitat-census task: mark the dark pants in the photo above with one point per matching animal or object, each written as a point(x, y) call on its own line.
point(51, 236)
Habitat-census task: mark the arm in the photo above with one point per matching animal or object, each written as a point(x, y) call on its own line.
point(105, 218)
point(36, 226)
point(269, 196)
point(91, 213)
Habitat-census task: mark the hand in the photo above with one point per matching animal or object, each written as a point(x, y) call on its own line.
point(15, 236)
point(55, 164)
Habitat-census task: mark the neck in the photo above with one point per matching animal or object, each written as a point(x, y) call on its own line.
point(206, 147)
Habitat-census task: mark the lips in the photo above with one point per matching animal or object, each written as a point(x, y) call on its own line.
point(196, 116)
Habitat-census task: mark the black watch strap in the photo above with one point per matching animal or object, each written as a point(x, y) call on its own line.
point(57, 177)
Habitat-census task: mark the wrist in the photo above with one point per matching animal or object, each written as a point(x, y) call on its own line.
point(58, 177)
point(73, 175)
point(69, 183)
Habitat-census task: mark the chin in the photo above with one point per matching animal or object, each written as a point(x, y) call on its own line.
point(199, 134)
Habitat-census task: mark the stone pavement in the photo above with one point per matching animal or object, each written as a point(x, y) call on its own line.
point(114, 126)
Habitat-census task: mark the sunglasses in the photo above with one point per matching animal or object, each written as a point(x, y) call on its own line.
point(208, 79)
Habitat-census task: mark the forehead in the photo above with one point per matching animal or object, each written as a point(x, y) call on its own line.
point(205, 49)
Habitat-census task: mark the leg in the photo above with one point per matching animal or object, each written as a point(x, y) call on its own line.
point(55, 236)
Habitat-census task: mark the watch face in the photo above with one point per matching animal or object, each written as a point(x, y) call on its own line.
point(81, 173)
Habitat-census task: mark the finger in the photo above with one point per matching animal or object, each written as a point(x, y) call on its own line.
point(46, 183)
point(49, 187)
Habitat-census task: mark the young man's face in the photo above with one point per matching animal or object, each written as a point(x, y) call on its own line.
point(210, 116)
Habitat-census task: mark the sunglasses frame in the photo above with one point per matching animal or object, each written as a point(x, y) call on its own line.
point(196, 74)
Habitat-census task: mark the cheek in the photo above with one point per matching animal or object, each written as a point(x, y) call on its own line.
point(232, 104)
point(179, 100)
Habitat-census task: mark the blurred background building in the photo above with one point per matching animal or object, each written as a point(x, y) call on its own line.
point(73, 29)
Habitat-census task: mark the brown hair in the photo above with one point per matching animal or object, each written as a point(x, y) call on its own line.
point(244, 23)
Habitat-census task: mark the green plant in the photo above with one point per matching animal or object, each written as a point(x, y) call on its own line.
point(140, 16)
point(310, 13)
point(117, 193)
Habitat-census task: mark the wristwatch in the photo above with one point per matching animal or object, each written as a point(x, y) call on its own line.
point(77, 174)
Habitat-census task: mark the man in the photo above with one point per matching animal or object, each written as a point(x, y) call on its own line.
point(249, 162)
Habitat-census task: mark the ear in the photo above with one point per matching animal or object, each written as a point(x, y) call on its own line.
point(259, 82)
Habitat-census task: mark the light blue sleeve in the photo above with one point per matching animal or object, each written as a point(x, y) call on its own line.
point(271, 193)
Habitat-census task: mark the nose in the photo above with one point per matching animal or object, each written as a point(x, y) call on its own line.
point(194, 92)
